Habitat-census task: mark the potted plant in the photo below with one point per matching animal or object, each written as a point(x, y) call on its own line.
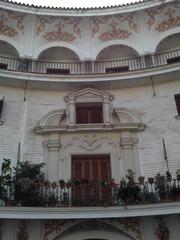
point(178, 174)
point(52, 200)
point(62, 184)
point(68, 184)
point(47, 184)
point(141, 180)
point(160, 181)
point(151, 180)
point(130, 175)
point(54, 184)
point(168, 176)
point(7, 183)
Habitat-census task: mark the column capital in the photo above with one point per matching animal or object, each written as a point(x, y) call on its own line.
point(128, 142)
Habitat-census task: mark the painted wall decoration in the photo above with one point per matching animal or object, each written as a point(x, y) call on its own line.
point(11, 23)
point(51, 226)
point(118, 27)
point(164, 17)
point(131, 224)
point(22, 233)
point(162, 230)
point(64, 29)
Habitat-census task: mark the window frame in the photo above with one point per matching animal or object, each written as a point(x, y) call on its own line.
point(177, 101)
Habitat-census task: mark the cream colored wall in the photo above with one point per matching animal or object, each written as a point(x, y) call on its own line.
point(157, 112)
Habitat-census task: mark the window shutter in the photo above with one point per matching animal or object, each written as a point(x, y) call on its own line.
point(1, 105)
point(177, 100)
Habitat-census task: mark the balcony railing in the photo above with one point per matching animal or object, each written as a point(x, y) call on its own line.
point(91, 193)
point(89, 67)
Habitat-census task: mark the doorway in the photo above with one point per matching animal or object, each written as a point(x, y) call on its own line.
point(89, 172)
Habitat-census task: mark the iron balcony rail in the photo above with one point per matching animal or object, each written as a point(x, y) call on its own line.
point(89, 67)
point(90, 193)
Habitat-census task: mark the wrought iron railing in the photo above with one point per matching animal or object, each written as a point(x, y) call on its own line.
point(89, 67)
point(91, 193)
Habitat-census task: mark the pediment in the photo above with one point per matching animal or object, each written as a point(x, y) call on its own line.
point(88, 94)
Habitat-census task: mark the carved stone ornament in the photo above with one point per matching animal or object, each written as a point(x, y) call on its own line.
point(162, 230)
point(90, 142)
point(22, 233)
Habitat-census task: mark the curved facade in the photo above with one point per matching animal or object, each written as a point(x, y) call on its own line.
point(95, 95)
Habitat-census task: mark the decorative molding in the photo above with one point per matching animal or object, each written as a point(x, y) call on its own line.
point(51, 226)
point(91, 225)
point(90, 142)
point(88, 94)
point(52, 144)
point(22, 233)
point(128, 141)
point(132, 224)
point(162, 230)
point(90, 212)
point(65, 29)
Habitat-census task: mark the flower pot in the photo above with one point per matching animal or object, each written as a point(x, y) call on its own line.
point(141, 180)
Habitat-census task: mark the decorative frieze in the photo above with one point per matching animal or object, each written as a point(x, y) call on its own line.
point(164, 17)
point(133, 225)
point(22, 233)
point(162, 230)
point(114, 25)
point(52, 226)
point(64, 29)
point(11, 23)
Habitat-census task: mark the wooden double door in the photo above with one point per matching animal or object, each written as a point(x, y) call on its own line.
point(90, 173)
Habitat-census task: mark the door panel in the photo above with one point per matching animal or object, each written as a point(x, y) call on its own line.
point(88, 171)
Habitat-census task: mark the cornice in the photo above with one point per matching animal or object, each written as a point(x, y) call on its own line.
point(89, 212)
point(83, 12)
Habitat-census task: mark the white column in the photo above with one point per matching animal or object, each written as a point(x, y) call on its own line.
point(127, 145)
point(106, 110)
point(53, 160)
point(72, 112)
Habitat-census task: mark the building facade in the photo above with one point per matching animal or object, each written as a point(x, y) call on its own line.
point(95, 95)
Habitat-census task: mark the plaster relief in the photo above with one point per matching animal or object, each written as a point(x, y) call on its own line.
point(90, 142)
point(11, 23)
point(64, 29)
point(119, 27)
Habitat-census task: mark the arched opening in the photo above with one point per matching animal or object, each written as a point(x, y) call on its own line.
point(58, 54)
point(59, 60)
point(169, 43)
point(115, 58)
point(7, 50)
point(116, 52)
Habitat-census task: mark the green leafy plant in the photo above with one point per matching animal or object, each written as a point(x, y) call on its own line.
point(27, 177)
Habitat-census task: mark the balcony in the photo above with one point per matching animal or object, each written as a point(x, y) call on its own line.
point(89, 67)
point(84, 193)
point(26, 194)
